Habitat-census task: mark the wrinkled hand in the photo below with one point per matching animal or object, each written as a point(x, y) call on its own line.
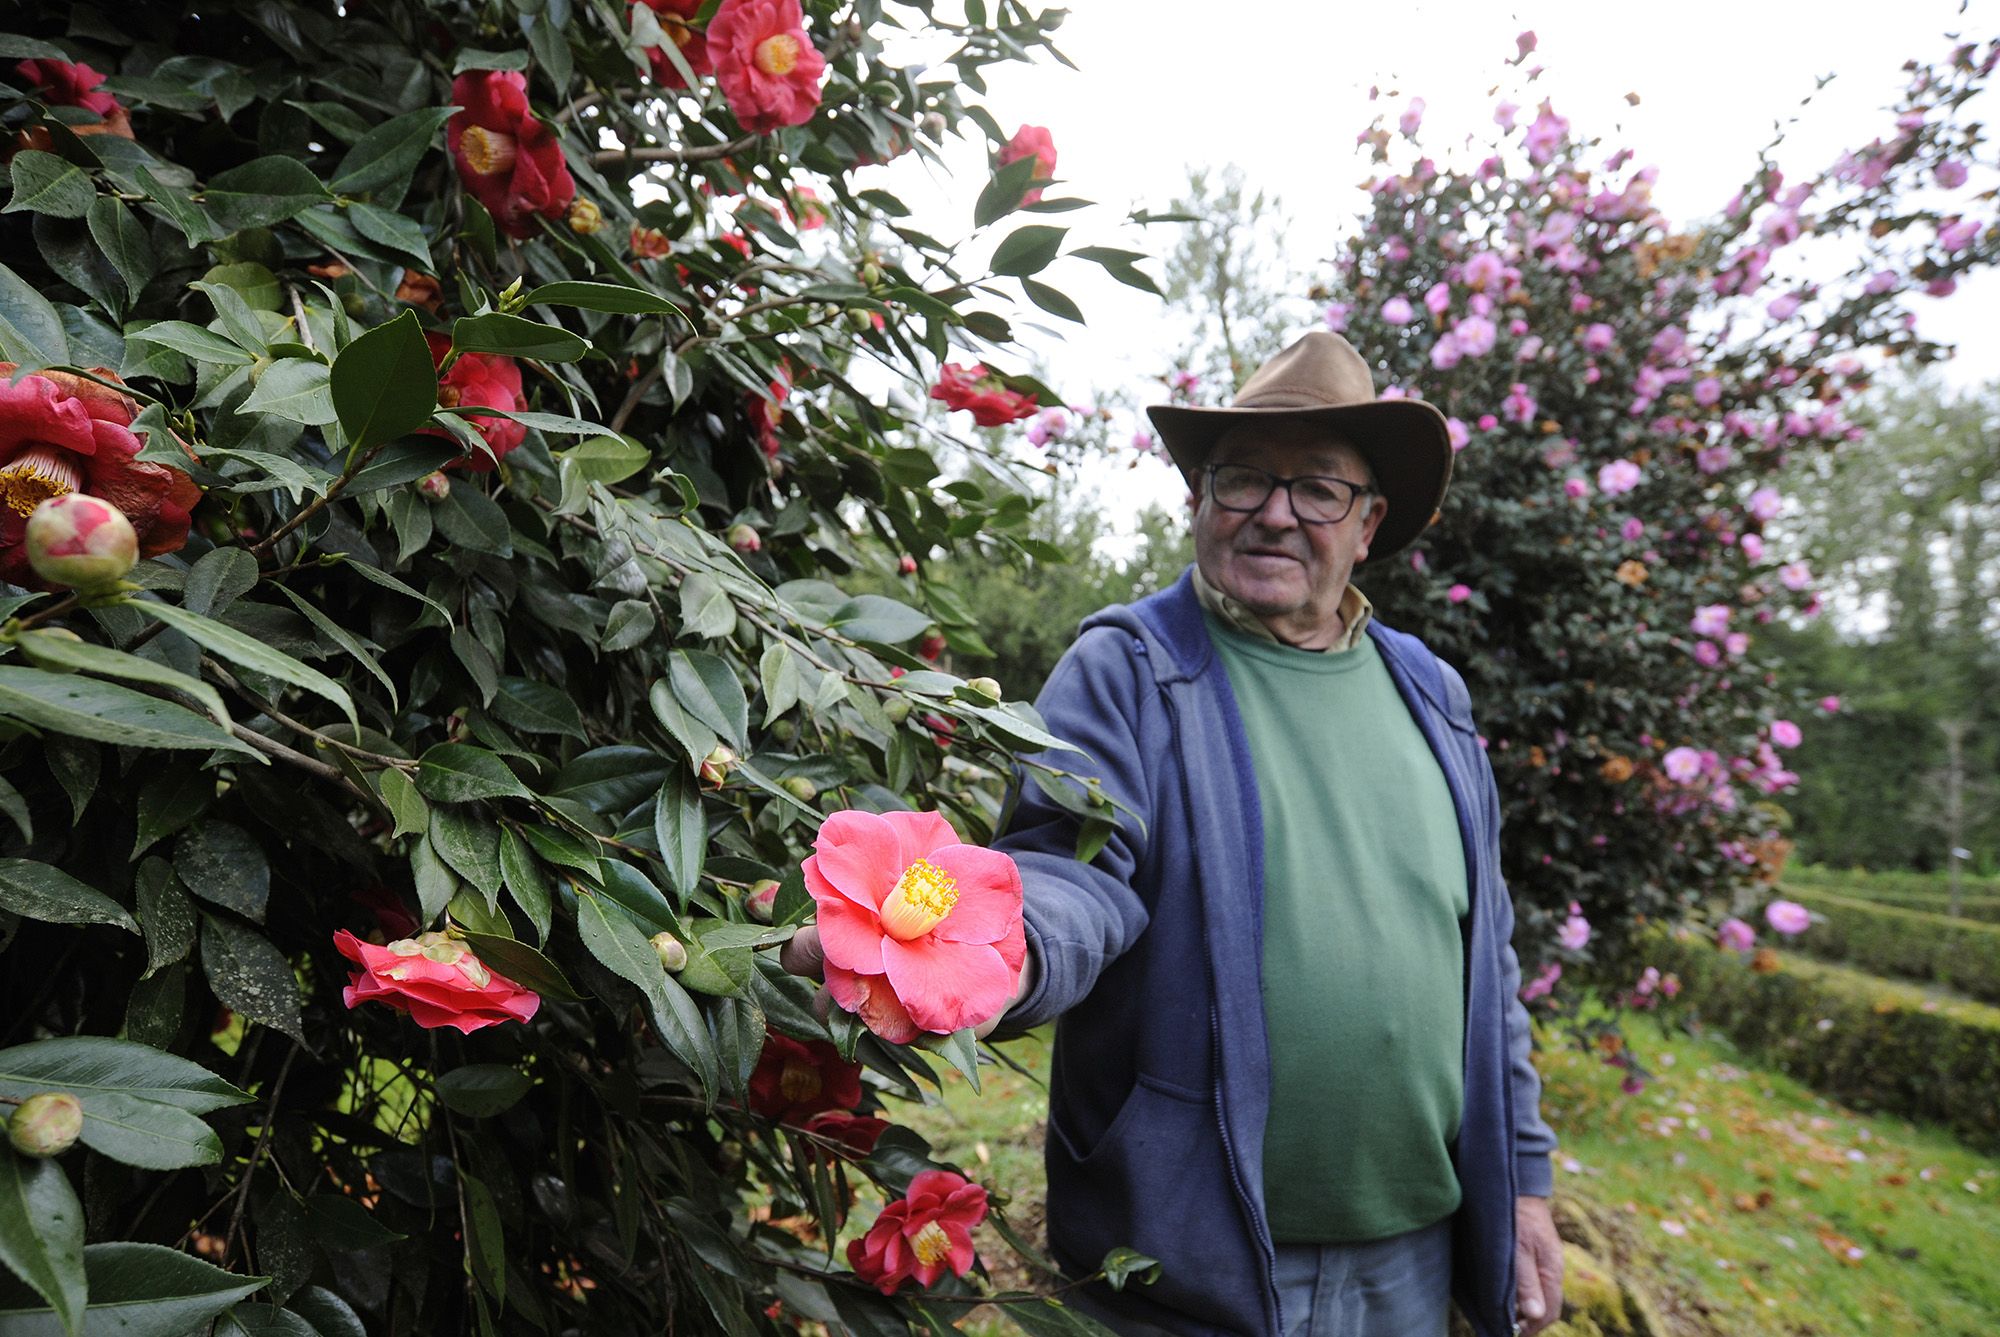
point(804, 956)
point(1538, 1265)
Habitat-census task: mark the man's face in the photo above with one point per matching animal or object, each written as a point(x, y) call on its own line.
point(1289, 574)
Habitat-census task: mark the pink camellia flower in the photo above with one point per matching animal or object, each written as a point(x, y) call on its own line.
point(434, 979)
point(1413, 116)
point(1598, 337)
point(1398, 311)
point(1576, 487)
point(1734, 935)
point(1753, 547)
point(1830, 705)
point(1784, 307)
point(1504, 114)
point(1736, 642)
point(61, 84)
point(1649, 981)
point(1706, 655)
point(78, 540)
point(1485, 270)
point(1458, 594)
point(1051, 425)
point(1707, 392)
point(1445, 353)
point(1455, 432)
point(1958, 234)
point(674, 17)
point(1788, 917)
point(1682, 765)
point(982, 394)
point(1548, 131)
point(1032, 141)
point(1543, 984)
point(1632, 530)
point(480, 380)
point(1618, 477)
point(1881, 281)
point(1710, 620)
point(1784, 733)
point(1475, 336)
point(922, 932)
point(767, 66)
point(1437, 298)
point(511, 161)
point(1524, 46)
point(1520, 405)
point(921, 1234)
point(1795, 576)
point(1336, 315)
point(1765, 503)
point(1950, 173)
point(1575, 930)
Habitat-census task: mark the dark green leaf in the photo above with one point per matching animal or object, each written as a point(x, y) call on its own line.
point(218, 580)
point(481, 1090)
point(706, 609)
point(525, 882)
point(165, 912)
point(175, 795)
point(611, 936)
point(1028, 250)
point(262, 1320)
point(460, 773)
point(194, 342)
point(86, 708)
point(46, 893)
point(707, 688)
point(123, 240)
point(1052, 300)
point(224, 865)
point(474, 521)
point(524, 965)
point(485, 1240)
point(57, 652)
point(618, 298)
point(295, 389)
point(250, 976)
point(403, 462)
point(384, 384)
point(873, 617)
point(136, 1290)
point(469, 844)
point(41, 1233)
point(393, 233)
point(630, 625)
point(515, 337)
point(536, 707)
point(241, 648)
point(261, 192)
point(46, 184)
point(30, 330)
point(405, 804)
point(388, 154)
point(695, 738)
point(607, 459)
point(94, 1067)
point(682, 832)
point(329, 1315)
point(340, 1223)
point(1004, 192)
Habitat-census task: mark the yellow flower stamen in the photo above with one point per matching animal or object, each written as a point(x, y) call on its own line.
point(778, 54)
point(487, 152)
point(924, 895)
point(799, 1082)
point(36, 475)
point(931, 1245)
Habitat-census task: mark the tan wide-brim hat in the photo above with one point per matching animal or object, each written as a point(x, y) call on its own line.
point(1321, 380)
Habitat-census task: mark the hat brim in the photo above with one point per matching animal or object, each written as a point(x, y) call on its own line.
point(1405, 441)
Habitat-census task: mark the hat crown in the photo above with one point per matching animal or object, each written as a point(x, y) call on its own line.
point(1320, 370)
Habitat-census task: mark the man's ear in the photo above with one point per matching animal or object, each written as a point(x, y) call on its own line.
point(1378, 511)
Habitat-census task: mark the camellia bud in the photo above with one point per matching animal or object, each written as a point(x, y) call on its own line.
point(907, 565)
point(79, 540)
point(896, 709)
point(860, 319)
point(673, 953)
point(585, 218)
point(715, 767)
point(988, 687)
point(932, 125)
point(744, 538)
point(47, 1124)
point(800, 788)
point(434, 487)
point(761, 901)
point(871, 273)
point(930, 647)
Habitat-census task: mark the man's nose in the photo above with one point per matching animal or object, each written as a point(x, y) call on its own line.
point(1277, 512)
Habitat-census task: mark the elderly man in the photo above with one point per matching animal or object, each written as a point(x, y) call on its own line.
point(1289, 1062)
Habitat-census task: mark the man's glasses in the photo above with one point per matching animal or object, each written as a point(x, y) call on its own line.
point(1316, 500)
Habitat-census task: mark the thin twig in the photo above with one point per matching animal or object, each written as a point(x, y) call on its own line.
point(257, 1154)
point(698, 153)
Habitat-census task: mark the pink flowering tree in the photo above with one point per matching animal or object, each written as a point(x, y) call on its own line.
point(467, 520)
point(1624, 392)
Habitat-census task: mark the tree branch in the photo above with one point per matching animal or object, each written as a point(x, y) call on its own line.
point(697, 153)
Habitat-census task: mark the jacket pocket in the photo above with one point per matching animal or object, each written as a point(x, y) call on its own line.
point(1157, 1181)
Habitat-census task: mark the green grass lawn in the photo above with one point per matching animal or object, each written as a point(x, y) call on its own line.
point(1739, 1201)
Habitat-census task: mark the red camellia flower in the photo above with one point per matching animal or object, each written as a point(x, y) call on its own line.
point(59, 434)
point(483, 380)
point(922, 932)
point(764, 415)
point(767, 66)
point(921, 1234)
point(649, 243)
point(434, 979)
point(1032, 141)
point(982, 394)
point(673, 16)
point(510, 161)
point(857, 1134)
point(61, 84)
point(795, 1080)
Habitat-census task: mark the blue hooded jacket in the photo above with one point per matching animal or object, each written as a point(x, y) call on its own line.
point(1150, 956)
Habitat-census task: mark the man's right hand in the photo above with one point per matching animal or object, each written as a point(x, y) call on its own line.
point(803, 956)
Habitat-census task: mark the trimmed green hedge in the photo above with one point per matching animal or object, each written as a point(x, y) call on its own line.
point(1868, 1043)
point(1962, 954)
point(1979, 897)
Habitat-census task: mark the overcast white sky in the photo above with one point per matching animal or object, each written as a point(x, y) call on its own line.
point(1280, 89)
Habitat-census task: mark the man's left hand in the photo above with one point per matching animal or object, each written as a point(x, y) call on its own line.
point(1538, 1266)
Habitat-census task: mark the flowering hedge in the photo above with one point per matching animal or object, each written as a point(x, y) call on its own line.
point(494, 398)
point(1622, 393)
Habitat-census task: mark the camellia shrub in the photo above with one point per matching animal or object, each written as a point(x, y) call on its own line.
point(1622, 392)
point(434, 441)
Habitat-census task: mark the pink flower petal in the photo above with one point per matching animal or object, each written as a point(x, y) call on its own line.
point(918, 834)
point(871, 998)
point(989, 894)
point(946, 986)
point(860, 856)
point(851, 936)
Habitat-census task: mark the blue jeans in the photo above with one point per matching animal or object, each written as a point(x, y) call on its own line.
point(1397, 1287)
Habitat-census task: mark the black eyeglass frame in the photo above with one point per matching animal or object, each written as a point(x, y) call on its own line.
point(1355, 492)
